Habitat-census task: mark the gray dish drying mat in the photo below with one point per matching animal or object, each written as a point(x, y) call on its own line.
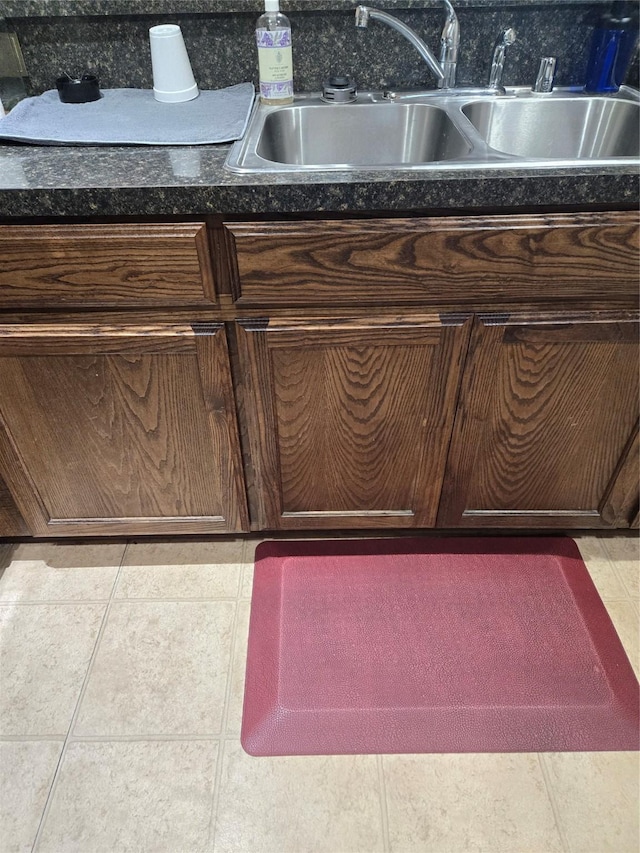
point(131, 117)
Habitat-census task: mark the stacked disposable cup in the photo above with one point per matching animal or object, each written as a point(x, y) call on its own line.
point(173, 79)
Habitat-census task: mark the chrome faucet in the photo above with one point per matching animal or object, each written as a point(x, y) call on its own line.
point(445, 69)
point(449, 44)
point(507, 38)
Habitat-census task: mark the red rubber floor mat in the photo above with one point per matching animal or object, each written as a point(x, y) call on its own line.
point(432, 645)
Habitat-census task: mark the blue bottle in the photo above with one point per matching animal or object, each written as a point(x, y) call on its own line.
point(614, 41)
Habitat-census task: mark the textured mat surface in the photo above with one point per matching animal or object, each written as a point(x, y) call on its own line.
point(432, 645)
point(131, 117)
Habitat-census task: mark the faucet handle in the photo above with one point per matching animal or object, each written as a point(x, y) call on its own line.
point(546, 74)
point(506, 39)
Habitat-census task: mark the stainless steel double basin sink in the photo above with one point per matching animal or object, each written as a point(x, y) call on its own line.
point(442, 130)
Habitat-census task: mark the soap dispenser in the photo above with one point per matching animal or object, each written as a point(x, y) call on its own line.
point(273, 38)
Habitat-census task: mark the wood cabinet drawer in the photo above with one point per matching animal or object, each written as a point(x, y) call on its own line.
point(85, 265)
point(431, 260)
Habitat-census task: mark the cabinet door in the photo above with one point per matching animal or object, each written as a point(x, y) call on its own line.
point(120, 429)
point(349, 421)
point(546, 424)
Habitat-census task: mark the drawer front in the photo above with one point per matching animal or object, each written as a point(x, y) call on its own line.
point(464, 259)
point(88, 265)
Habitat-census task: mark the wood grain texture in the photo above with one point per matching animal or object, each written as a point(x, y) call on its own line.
point(430, 260)
point(76, 338)
point(542, 424)
point(621, 503)
point(122, 442)
point(223, 449)
point(23, 487)
point(127, 423)
point(349, 426)
point(83, 265)
point(223, 256)
point(11, 522)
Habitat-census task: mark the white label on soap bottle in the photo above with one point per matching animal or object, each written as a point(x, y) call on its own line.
point(275, 63)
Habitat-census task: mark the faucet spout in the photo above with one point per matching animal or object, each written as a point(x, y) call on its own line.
point(365, 13)
point(449, 45)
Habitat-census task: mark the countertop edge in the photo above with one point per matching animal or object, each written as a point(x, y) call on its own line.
point(512, 192)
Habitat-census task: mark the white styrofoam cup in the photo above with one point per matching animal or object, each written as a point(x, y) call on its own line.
point(173, 79)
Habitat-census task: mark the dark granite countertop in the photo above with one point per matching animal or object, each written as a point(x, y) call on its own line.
point(137, 181)
point(47, 8)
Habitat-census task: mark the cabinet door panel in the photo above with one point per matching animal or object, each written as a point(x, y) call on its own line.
point(349, 421)
point(547, 411)
point(128, 430)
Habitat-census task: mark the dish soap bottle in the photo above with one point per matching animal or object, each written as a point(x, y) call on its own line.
point(273, 37)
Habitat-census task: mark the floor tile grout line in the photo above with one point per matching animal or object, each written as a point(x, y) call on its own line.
point(74, 716)
point(605, 555)
point(215, 799)
point(384, 811)
point(546, 776)
point(155, 736)
point(243, 562)
point(31, 737)
point(245, 550)
point(606, 599)
point(215, 796)
point(199, 599)
point(62, 601)
point(614, 566)
point(206, 599)
point(625, 643)
point(241, 579)
point(144, 736)
point(116, 582)
point(173, 600)
point(613, 599)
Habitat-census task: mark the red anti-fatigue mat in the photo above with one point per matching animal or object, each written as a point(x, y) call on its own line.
point(432, 645)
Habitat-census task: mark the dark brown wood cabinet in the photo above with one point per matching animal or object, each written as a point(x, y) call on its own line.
point(348, 421)
point(434, 260)
point(120, 429)
point(412, 372)
point(80, 266)
point(11, 522)
point(546, 424)
point(353, 434)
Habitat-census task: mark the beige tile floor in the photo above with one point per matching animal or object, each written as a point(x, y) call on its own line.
point(121, 687)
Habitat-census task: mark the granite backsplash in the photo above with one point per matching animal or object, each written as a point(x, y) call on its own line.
point(221, 47)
